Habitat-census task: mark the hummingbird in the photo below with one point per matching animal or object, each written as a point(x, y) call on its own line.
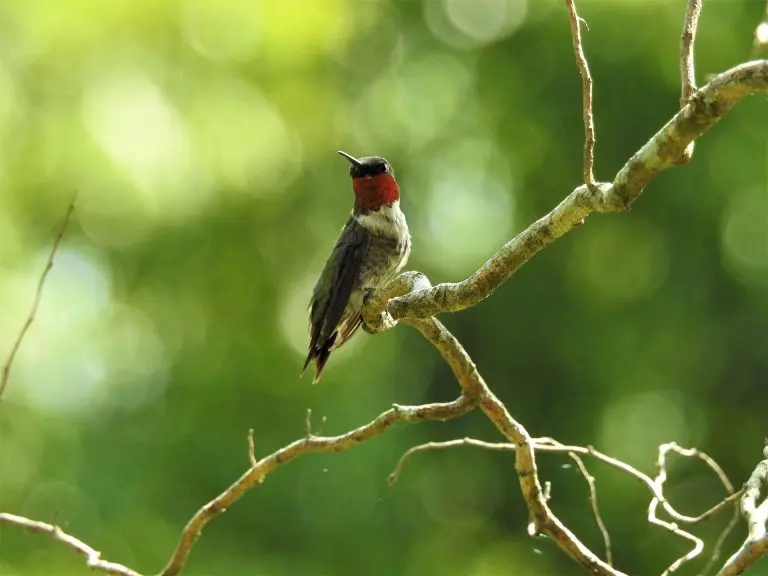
point(372, 247)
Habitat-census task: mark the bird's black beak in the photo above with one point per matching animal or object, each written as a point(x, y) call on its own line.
point(351, 158)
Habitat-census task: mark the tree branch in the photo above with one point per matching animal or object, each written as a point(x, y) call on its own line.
point(595, 508)
point(307, 445)
point(655, 486)
point(754, 508)
point(586, 96)
point(38, 296)
point(543, 519)
point(710, 103)
point(687, 40)
point(92, 557)
point(687, 68)
point(412, 299)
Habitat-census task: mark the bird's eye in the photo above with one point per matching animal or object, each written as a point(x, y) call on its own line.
point(381, 167)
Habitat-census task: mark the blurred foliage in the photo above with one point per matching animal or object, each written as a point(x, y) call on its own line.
point(201, 137)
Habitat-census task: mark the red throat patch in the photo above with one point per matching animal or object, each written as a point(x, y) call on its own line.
point(373, 192)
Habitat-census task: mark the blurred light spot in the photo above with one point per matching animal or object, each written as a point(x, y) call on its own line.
point(634, 427)
point(136, 125)
point(135, 358)
point(10, 103)
point(336, 515)
point(245, 140)
point(180, 317)
point(83, 350)
point(508, 557)
point(468, 23)
point(622, 260)
point(58, 365)
point(414, 105)
point(761, 34)
point(12, 243)
point(227, 29)
point(467, 496)
point(299, 30)
point(469, 210)
point(745, 237)
point(70, 505)
point(18, 464)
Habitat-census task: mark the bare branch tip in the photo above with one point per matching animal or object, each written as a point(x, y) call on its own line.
point(308, 423)
point(586, 81)
point(37, 298)
point(251, 449)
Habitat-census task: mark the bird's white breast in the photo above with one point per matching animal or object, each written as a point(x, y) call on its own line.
point(387, 221)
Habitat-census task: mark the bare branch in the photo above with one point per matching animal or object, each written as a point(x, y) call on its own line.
point(38, 295)
point(687, 68)
point(586, 95)
point(251, 449)
point(717, 548)
point(308, 423)
point(429, 446)
point(543, 519)
point(92, 557)
point(756, 514)
point(710, 103)
point(595, 509)
point(655, 486)
point(661, 478)
point(687, 40)
point(698, 544)
point(307, 445)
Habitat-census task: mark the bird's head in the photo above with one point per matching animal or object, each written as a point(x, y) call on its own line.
point(373, 182)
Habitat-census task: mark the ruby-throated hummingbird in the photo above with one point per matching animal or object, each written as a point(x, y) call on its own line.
point(373, 246)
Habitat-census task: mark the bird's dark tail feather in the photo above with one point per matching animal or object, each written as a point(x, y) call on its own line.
point(320, 355)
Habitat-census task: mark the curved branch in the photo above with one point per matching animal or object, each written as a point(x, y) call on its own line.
point(307, 445)
point(664, 150)
point(92, 557)
point(544, 520)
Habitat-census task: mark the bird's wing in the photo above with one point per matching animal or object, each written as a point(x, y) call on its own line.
point(332, 290)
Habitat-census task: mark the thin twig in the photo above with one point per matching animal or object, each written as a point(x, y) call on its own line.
point(251, 449)
point(717, 548)
point(92, 557)
point(595, 509)
point(687, 68)
point(429, 446)
point(698, 543)
point(586, 91)
point(38, 295)
point(661, 478)
point(687, 41)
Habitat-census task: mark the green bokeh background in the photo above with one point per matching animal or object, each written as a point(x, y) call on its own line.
point(201, 137)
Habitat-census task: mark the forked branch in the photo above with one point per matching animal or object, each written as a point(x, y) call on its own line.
point(710, 103)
